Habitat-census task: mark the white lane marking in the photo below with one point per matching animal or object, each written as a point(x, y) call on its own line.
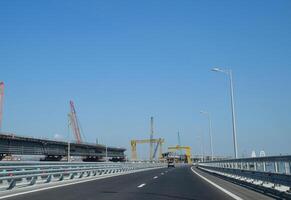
point(217, 186)
point(155, 177)
point(67, 184)
point(57, 186)
point(142, 185)
point(162, 173)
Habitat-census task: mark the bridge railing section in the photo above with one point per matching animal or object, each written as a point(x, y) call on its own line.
point(22, 174)
point(271, 171)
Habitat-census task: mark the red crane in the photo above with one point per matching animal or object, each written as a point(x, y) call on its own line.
point(74, 123)
point(1, 102)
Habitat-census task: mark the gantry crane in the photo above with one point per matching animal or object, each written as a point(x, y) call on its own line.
point(159, 142)
point(186, 148)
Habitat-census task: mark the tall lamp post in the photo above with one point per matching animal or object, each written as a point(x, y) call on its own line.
point(210, 130)
point(228, 72)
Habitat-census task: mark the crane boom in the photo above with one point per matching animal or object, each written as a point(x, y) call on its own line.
point(74, 123)
point(159, 143)
point(1, 102)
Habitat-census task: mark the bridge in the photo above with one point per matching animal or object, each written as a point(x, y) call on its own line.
point(248, 178)
point(11, 144)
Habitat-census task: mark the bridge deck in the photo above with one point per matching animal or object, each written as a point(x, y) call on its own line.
point(160, 184)
point(18, 145)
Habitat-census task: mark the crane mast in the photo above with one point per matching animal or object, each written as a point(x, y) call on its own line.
point(1, 103)
point(74, 123)
point(179, 143)
point(151, 138)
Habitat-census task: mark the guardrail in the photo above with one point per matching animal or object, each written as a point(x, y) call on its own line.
point(22, 174)
point(269, 172)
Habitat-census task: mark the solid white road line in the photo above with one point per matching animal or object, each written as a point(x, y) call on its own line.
point(66, 184)
point(155, 177)
point(57, 186)
point(142, 185)
point(217, 186)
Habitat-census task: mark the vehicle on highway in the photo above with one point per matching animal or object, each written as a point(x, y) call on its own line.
point(171, 164)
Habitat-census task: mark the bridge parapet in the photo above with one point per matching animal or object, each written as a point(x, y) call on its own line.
point(270, 173)
point(24, 174)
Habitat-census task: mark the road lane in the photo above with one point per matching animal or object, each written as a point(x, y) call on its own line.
point(179, 183)
point(240, 191)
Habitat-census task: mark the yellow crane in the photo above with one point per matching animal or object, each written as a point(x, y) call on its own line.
point(159, 142)
point(186, 148)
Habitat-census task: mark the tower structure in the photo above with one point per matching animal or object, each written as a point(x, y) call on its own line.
point(1, 103)
point(151, 139)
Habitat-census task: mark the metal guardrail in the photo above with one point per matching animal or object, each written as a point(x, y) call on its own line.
point(23, 174)
point(271, 170)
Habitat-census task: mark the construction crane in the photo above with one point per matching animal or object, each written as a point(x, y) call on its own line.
point(179, 143)
point(159, 144)
point(134, 143)
point(151, 138)
point(186, 148)
point(75, 123)
point(1, 103)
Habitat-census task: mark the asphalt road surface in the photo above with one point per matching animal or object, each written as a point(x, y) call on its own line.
point(160, 184)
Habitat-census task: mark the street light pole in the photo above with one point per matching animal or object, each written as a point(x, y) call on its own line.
point(106, 153)
point(202, 148)
point(210, 131)
point(229, 74)
point(233, 114)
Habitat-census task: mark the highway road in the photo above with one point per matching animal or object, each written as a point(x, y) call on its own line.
point(160, 184)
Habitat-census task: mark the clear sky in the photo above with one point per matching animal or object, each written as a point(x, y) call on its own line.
point(124, 61)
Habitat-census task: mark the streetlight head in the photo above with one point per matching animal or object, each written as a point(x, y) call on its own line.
point(216, 69)
point(203, 112)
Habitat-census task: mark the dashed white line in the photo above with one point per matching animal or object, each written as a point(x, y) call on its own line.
point(142, 185)
point(217, 186)
point(57, 186)
point(33, 190)
point(155, 177)
point(162, 173)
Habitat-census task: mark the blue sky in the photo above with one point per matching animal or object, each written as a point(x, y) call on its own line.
point(124, 61)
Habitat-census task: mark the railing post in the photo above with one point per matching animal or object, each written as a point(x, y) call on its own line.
point(48, 179)
point(264, 166)
point(276, 167)
point(12, 184)
point(287, 168)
